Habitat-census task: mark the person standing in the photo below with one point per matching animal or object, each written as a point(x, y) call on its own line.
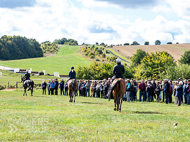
point(66, 89)
point(61, 86)
point(149, 89)
point(56, 83)
point(49, 82)
point(153, 92)
point(166, 90)
point(175, 92)
point(52, 87)
point(185, 88)
point(157, 91)
point(105, 88)
point(162, 90)
point(136, 89)
point(132, 91)
point(128, 89)
point(171, 91)
point(88, 84)
point(83, 89)
point(179, 92)
point(94, 88)
point(44, 85)
point(80, 87)
point(98, 86)
point(142, 91)
point(188, 91)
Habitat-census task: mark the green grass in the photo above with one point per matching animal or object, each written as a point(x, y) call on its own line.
point(178, 48)
point(118, 55)
point(53, 118)
point(65, 50)
point(61, 64)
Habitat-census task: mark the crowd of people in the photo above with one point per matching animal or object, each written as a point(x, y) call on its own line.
point(149, 90)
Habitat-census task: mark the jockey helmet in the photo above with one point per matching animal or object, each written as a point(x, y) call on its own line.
point(118, 60)
point(72, 68)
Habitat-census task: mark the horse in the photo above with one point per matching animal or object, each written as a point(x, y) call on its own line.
point(92, 89)
point(26, 84)
point(118, 92)
point(72, 86)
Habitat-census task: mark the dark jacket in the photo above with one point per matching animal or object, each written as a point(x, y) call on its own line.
point(167, 88)
point(179, 91)
point(27, 75)
point(158, 89)
point(118, 70)
point(66, 86)
point(56, 84)
point(44, 85)
point(61, 84)
point(72, 74)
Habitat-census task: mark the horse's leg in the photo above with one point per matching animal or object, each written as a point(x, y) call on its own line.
point(115, 104)
point(120, 104)
point(74, 96)
point(31, 91)
point(70, 96)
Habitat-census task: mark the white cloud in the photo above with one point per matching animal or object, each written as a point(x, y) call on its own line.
point(49, 20)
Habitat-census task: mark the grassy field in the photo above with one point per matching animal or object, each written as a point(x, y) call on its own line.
point(176, 50)
point(60, 63)
point(53, 118)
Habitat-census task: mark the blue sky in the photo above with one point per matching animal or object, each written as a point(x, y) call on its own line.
point(90, 21)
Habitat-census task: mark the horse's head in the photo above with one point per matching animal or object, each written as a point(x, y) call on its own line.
point(22, 78)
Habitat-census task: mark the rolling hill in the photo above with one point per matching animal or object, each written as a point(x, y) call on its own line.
point(62, 62)
point(176, 50)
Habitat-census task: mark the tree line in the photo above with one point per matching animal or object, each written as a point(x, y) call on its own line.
point(17, 47)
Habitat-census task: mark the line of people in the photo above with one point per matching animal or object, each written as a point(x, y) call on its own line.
point(148, 90)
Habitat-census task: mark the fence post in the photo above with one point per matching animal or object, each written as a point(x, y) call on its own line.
point(16, 84)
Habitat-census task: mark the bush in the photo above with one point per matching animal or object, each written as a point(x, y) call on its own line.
point(83, 49)
point(97, 53)
point(103, 55)
point(96, 49)
point(92, 57)
point(1, 87)
point(107, 52)
point(102, 60)
point(86, 54)
point(90, 54)
point(97, 60)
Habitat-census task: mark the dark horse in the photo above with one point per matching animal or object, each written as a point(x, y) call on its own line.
point(27, 84)
point(118, 92)
point(73, 86)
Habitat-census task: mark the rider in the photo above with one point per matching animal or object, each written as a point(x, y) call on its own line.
point(72, 74)
point(27, 76)
point(118, 72)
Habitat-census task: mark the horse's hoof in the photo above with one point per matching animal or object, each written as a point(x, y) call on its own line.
point(120, 111)
point(115, 109)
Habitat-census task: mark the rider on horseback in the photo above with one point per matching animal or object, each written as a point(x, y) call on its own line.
point(118, 72)
point(27, 75)
point(72, 74)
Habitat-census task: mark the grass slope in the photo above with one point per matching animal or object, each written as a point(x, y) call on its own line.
point(53, 118)
point(60, 63)
point(65, 50)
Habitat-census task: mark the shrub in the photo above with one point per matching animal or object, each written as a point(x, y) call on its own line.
point(102, 60)
point(90, 54)
point(83, 49)
point(92, 57)
point(97, 53)
point(86, 54)
point(96, 49)
point(41, 73)
point(97, 60)
point(103, 55)
point(1, 87)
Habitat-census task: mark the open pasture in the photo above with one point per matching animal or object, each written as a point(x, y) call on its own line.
point(60, 63)
point(176, 50)
point(53, 118)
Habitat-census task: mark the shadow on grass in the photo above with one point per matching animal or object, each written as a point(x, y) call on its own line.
point(147, 112)
point(91, 103)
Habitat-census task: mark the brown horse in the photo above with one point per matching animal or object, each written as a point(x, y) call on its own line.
point(27, 84)
point(73, 85)
point(118, 92)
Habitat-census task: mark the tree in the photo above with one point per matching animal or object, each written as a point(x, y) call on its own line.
point(126, 44)
point(136, 58)
point(177, 42)
point(146, 43)
point(157, 42)
point(97, 43)
point(185, 59)
point(154, 65)
point(135, 43)
point(169, 43)
point(102, 44)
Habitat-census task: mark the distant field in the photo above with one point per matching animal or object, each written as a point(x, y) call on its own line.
point(65, 50)
point(60, 63)
point(176, 50)
point(53, 118)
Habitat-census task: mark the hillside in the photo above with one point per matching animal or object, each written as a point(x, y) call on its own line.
point(176, 50)
point(60, 63)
